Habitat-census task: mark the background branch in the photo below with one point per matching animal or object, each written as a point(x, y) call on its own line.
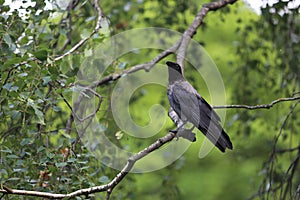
point(266, 106)
point(267, 182)
point(83, 41)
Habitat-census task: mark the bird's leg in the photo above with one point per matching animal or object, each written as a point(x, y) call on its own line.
point(191, 129)
point(184, 133)
point(180, 122)
point(178, 128)
point(181, 125)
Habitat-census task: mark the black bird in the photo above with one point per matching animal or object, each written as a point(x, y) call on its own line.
point(191, 107)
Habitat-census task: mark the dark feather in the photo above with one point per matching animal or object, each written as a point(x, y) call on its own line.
point(191, 107)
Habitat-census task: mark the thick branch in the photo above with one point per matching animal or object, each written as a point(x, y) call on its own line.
point(145, 66)
point(191, 31)
point(180, 45)
point(107, 187)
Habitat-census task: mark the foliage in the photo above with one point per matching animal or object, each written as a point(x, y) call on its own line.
point(36, 148)
point(268, 69)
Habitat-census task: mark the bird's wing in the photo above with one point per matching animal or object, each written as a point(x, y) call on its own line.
point(208, 108)
point(188, 103)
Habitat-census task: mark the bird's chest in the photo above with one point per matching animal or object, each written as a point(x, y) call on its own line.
point(171, 94)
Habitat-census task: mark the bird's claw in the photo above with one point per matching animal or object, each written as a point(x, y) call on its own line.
point(191, 129)
point(175, 132)
point(185, 133)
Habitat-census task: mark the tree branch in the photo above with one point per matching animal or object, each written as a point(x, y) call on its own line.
point(81, 42)
point(107, 187)
point(180, 45)
point(145, 66)
point(266, 106)
point(192, 30)
point(267, 185)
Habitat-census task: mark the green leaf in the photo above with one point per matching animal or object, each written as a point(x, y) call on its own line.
point(13, 156)
point(41, 148)
point(3, 171)
point(65, 66)
point(71, 160)
point(9, 87)
point(104, 179)
point(42, 55)
point(6, 150)
point(40, 116)
point(56, 108)
point(85, 167)
point(24, 95)
point(20, 169)
point(13, 179)
point(23, 74)
point(9, 42)
point(15, 114)
point(63, 132)
point(20, 162)
point(50, 155)
point(26, 141)
point(46, 80)
point(7, 39)
point(61, 164)
point(12, 61)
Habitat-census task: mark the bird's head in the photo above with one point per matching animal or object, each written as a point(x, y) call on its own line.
point(175, 72)
point(174, 66)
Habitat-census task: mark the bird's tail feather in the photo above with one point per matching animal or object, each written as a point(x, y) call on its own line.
point(217, 136)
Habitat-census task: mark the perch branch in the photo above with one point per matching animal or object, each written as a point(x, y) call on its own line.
point(107, 187)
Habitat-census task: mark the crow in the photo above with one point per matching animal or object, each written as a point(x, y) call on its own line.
point(191, 107)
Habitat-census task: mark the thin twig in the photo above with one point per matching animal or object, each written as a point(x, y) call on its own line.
point(74, 111)
point(15, 67)
point(266, 106)
point(287, 150)
point(269, 165)
point(81, 42)
point(290, 174)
